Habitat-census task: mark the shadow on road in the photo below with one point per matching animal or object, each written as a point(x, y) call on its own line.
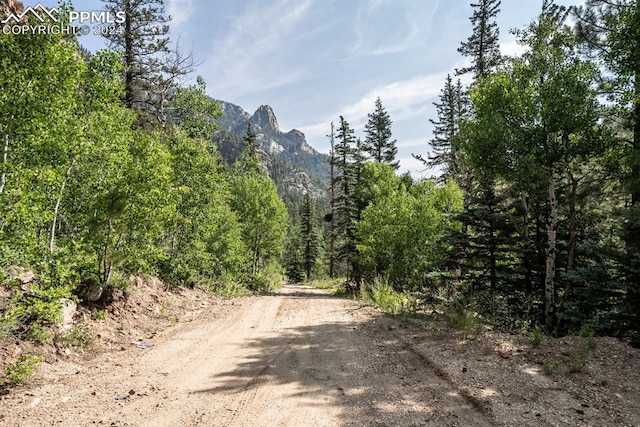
point(363, 368)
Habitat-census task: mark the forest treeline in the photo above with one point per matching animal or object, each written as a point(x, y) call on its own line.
point(108, 169)
point(533, 219)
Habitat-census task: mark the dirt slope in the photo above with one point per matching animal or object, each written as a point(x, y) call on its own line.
point(302, 358)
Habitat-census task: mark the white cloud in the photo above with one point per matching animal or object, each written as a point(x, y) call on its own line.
point(511, 47)
point(416, 167)
point(374, 37)
point(180, 11)
point(402, 100)
point(242, 62)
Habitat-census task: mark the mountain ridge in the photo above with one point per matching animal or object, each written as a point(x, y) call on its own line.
point(294, 165)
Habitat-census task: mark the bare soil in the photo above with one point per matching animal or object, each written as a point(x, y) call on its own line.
point(303, 358)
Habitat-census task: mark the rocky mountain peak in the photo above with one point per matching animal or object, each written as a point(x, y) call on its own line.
point(266, 119)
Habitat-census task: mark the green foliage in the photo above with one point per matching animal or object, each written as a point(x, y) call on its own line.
point(461, 314)
point(203, 238)
point(77, 336)
point(537, 337)
point(194, 112)
point(143, 43)
point(482, 46)
point(326, 283)
point(577, 362)
point(309, 235)
point(383, 295)
point(7, 325)
point(100, 315)
point(40, 305)
point(293, 258)
point(37, 334)
point(547, 369)
point(262, 213)
point(377, 143)
point(24, 367)
point(399, 233)
point(445, 152)
point(261, 283)
point(229, 289)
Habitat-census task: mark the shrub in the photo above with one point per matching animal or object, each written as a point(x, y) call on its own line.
point(382, 294)
point(74, 337)
point(461, 315)
point(537, 337)
point(23, 368)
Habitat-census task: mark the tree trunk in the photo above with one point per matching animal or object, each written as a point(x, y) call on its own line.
point(57, 209)
point(550, 257)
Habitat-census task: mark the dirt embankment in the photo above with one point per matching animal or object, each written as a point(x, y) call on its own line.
point(301, 357)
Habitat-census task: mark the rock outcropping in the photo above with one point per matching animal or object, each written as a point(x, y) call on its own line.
point(294, 165)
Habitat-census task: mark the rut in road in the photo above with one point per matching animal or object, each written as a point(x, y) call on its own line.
point(296, 358)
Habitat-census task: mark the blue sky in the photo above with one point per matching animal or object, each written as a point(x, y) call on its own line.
point(314, 60)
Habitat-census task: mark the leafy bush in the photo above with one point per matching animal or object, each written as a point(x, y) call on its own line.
point(41, 305)
point(23, 368)
point(261, 283)
point(37, 334)
point(74, 337)
point(382, 294)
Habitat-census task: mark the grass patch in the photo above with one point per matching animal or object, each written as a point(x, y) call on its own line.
point(460, 315)
point(100, 315)
point(229, 289)
point(327, 284)
point(577, 362)
point(547, 369)
point(74, 337)
point(384, 296)
point(537, 337)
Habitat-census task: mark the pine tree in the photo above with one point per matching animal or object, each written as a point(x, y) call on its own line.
point(345, 203)
point(144, 43)
point(378, 144)
point(445, 153)
point(251, 142)
point(308, 234)
point(329, 218)
point(483, 45)
point(249, 160)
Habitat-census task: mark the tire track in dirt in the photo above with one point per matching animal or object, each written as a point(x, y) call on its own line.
point(296, 358)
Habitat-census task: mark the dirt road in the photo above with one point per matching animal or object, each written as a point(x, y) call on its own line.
point(297, 358)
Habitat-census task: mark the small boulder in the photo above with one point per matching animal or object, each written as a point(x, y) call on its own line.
point(95, 293)
point(68, 310)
